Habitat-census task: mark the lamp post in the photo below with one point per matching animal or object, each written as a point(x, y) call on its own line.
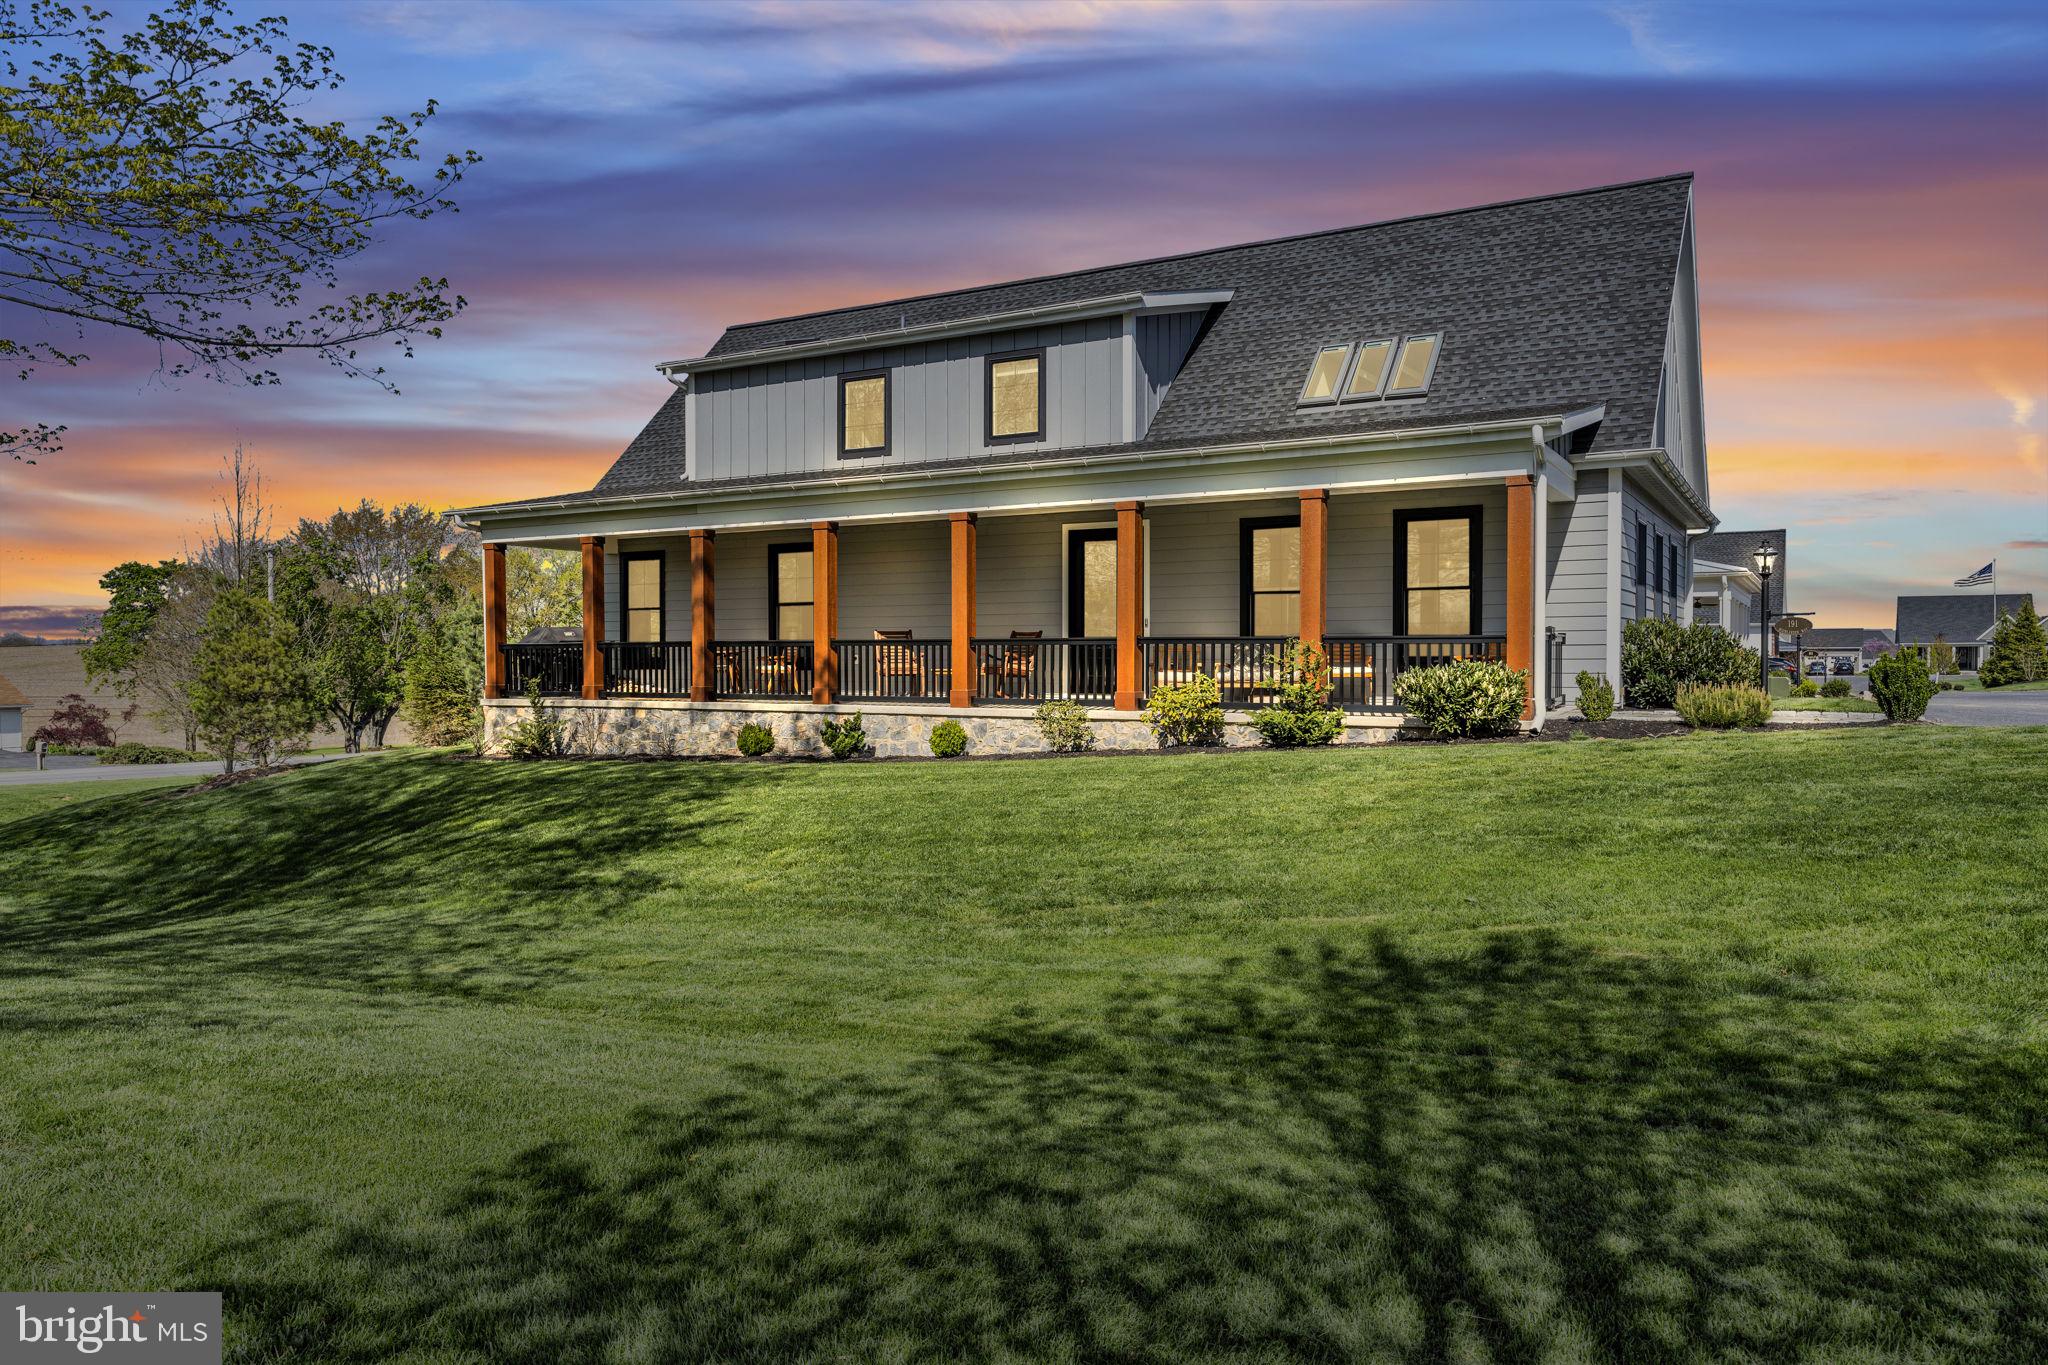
point(1766, 560)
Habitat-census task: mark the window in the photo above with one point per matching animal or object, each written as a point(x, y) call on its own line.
point(643, 604)
point(1269, 570)
point(1673, 553)
point(1369, 370)
point(1642, 554)
point(1412, 372)
point(1325, 375)
point(1016, 397)
point(864, 414)
point(1658, 541)
point(1436, 581)
point(789, 592)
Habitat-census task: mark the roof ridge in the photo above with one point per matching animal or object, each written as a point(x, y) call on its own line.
point(1212, 250)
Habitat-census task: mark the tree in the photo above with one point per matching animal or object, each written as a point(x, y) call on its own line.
point(238, 544)
point(252, 694)
point(2019, 649)
point(167, 664)
point(444, 674)
point(135, 595)
point(1943, 659)
point(79, 723)
point(164, 184)
point(542, 588)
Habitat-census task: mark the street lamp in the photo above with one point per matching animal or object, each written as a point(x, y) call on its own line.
point(1766, 560)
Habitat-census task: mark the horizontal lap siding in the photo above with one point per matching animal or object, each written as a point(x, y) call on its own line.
point(895, 577)
point(1636, 511)
point(1017, 573)
point(1196, 564)
point(1362, 556)
point(1576, 564)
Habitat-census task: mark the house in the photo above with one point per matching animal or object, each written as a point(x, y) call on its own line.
point(1725, 571)
point(1964, 620)
point(1457, 434)
point(1843, 649)
point(13, 702)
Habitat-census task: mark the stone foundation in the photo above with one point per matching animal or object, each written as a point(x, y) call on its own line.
point(682, 729)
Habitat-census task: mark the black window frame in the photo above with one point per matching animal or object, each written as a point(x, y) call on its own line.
point(1077, 580)
point(1642, 553)
point(626, 561)
point(1246, 526)
point(1671, 553)
point(1403, 517)
point(1657, 543)
point(888, 413)
point(775, 604)
point(988, 397)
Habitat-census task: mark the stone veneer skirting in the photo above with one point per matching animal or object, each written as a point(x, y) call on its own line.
point(685, 729)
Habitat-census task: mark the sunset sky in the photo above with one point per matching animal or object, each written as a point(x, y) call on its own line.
point(1873, 234)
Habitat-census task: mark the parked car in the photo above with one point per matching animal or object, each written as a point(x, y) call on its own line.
point(1845, 667)
point(1780, 664)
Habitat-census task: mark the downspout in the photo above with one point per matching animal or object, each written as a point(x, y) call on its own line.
point(1539, 582)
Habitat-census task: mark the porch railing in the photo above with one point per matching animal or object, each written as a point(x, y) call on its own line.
point(1242, 665)
point(557, 668)
point(773, 669)
point(1553, 669)
point(1364, 668)
point(894, 670)
point(1025, 672)
point(647, 670)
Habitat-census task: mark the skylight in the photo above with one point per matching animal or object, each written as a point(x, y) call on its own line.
point(1325, 374)
point(1390, 367)
point(1417, 363)
point(1369, 371)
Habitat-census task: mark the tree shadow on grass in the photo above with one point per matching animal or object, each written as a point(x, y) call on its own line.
point(1528, 1154)
point(388, 875)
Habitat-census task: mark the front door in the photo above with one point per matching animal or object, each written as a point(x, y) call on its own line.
point(1091, 610)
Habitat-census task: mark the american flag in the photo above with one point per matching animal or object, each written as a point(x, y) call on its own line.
point(1983, 575)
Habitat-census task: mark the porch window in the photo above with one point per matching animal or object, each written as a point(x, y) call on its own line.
point(1016, 397)
point(864, 414)
point(1269, 568)
point(1436, 559)
point(789, 592)
point(1416, 366)
point(643, 605)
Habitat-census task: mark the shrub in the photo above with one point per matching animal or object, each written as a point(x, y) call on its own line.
point(1807, 688)
point(1065, 727)
point(949, 740)
point(756, 740)
point(1900, 684)
point(1301, 713)
point(2019, 649)
point(845, 738)
point(1465, 697)
point(540, 734)
point(1722, 707)
point(1835, 687)
point(1596, 696)
point(1187, 713)
point(75, 750)
point(76, 722)
point(147, 753)
point(1658, 657)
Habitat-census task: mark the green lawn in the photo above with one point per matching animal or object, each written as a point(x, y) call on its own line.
point(1971, 684)
point(1728, 1047)
point(1861, 704)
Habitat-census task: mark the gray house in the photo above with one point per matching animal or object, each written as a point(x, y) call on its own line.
point(1965, 620)
point(1844, 649)
point(1474, 433)
point(1726, 571)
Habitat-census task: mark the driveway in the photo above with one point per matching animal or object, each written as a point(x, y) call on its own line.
point(17, 773)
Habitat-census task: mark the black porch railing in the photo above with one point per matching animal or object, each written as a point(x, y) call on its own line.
point(1553, 668)
point(646, 670)
point(772, 669)
point(1243, 666)
point(1364, 668)
point(1024, 672)
point(557, 668)
point(894, 670)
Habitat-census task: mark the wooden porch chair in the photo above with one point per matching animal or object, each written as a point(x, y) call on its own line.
point(1014, 668)
point(898, 662)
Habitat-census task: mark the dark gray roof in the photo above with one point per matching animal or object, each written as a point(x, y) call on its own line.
point(1956, 617)
point(1842, 637)
point(1547, 305)
point(1738, 548)
point(553, 635)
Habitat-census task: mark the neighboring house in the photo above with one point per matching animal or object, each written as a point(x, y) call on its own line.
point(1737, 550)
point(1965, 621)
point(1456, 434)
point(1843, 648)
point(13, 701)
point(553, 635)
point(1725, 595)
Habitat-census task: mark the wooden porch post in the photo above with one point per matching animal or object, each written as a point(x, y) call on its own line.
point(703, 615)
point(963, 530)
point(494, 620)
point(1130, 600)
point(824, 611)
point(1521, 581)
point(593, 617)
point(1315, 562)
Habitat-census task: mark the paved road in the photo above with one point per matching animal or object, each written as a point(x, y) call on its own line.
point(1989, 708)
point(75, 769)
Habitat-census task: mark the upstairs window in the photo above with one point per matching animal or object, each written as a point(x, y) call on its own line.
point(1369, 370)
point(1325, 374)
point(1417, 364)
point(864, 414)
point(643, 596)
point(1016, 397)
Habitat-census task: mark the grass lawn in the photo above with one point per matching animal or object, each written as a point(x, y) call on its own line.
point(1728, 1047)
point(1971, 684)
point(1826, 704)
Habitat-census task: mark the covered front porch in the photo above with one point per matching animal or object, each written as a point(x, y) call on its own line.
point(1100, 605)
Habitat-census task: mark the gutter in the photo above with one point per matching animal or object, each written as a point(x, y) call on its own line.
point(911, 474)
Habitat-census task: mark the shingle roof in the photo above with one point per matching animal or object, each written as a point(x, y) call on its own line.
point(1956, 617)
point(1842, 637)
point(1547, 305)
point(10, 695)
point(1738, 547)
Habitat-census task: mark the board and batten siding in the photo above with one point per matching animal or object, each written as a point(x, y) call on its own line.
point(765, 420)
point(1575, 578)
point(1163, 342)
